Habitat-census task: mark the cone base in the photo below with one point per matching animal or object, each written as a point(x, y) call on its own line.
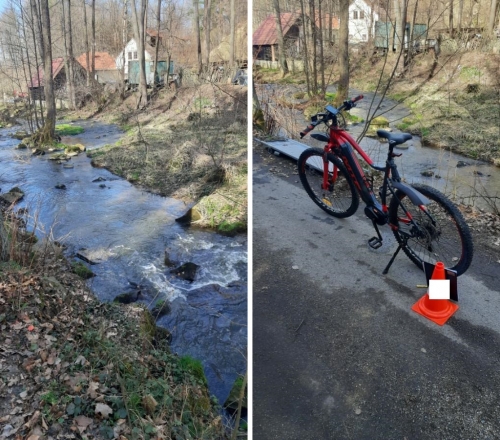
point(440, 316)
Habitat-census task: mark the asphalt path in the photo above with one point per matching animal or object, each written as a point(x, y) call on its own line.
point(338, 353)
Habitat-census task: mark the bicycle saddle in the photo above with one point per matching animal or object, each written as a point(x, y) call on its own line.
point(394, 138)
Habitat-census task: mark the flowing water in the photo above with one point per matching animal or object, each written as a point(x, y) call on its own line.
point(126, 231)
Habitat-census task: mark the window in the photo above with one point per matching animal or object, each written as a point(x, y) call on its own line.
point(363, 37)
point(135, 55)
point(361, 15)
point(355, 15)
point(130, 55)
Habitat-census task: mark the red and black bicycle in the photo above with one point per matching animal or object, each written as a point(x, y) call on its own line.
point(426, 224)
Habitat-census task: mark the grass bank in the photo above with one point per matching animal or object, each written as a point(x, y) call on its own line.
point(190, 144)
point(73, 367)
point(455, 103)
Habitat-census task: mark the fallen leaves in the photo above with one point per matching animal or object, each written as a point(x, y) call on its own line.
point(103, 410)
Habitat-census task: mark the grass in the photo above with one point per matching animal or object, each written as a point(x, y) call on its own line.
point(68, 130)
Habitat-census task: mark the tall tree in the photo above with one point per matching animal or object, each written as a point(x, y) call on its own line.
point(47, 133)
point(492, 17)
point(157, 47)
point(232, 32)
point(87, 47)
point(196, 19)
point(138, 17)
point(93, 40)
point(281, 40)
point(68, 46)
point(207, 27)
point(343, 60)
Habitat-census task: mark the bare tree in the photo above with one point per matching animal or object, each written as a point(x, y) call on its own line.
point(343, 60)
point(68, 45)
point(87, 47)
point(232, 31)
point(493, 16)
point(47, 133)
point(138, 17)
point(281, 40)
point(196, 19)
point(157, 47)
point(207, 26)
point(93, 40)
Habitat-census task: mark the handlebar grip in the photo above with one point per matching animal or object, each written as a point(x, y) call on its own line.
point(307, 130)
point(357, 98)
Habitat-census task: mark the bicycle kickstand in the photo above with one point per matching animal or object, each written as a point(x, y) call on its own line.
point(400, 246)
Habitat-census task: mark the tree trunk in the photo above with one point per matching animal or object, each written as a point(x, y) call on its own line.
point(306, 57)
point(343, 84)
point(197, 33)
point(93, 40)
point(138, 25)
point(37, 31)
point(450, 20)
point(493, 15)
point(460, 15)
point(47, 133)
point(68, 46)
point(124, 43)
point(232, 33)
point(312, 18)
point(206, 25)
point(87, 47)
point(398, 42)
point(281, 40)
point(157, 47)
point(321, 55)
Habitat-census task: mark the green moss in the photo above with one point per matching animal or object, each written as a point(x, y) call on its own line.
point(68, 130)
point(194, 367)
point(82, 271)
point(232, 228)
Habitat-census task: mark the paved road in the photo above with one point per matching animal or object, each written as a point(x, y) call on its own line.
point(338, 353)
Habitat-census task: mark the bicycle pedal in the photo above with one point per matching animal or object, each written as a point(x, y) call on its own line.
point(374, 242)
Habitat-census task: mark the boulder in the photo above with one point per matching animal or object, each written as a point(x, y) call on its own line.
point(60, 186)
point(77, 148)
point(189, 217)
point(231, 403)
point(128, 297)
point(427, 173)
point(13, 196)
point(167, 260)
point(186, 271)
point(161, 308)
point(20, 134)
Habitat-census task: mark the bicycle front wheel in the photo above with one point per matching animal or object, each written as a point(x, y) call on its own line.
point(441, 236)
point(340, 199)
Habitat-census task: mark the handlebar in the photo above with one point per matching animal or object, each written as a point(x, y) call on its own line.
point(325, 117)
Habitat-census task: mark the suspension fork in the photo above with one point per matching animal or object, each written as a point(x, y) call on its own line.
point(327, 183)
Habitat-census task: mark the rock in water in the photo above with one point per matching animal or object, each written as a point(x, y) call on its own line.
point(187, 271)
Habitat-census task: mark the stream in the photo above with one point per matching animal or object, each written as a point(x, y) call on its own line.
point(126, 232)
point(467, 184)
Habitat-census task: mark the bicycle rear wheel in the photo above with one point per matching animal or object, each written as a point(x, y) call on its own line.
point(340, 199)
point(443, 237)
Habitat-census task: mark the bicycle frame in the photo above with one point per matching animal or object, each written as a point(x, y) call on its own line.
point(341, 144)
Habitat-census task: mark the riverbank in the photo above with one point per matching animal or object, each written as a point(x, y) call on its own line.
point(189, 144)
point(456, 108)
point(73, 366)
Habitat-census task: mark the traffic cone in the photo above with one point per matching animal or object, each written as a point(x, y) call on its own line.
point(437, 310)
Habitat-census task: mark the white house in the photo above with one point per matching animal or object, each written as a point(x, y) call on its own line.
point(129, 53)
point(361, 19)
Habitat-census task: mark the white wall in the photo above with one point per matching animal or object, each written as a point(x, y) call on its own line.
point(359, 27)
point(131, 47)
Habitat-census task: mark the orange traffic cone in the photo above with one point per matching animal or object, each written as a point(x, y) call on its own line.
point(437, 310)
